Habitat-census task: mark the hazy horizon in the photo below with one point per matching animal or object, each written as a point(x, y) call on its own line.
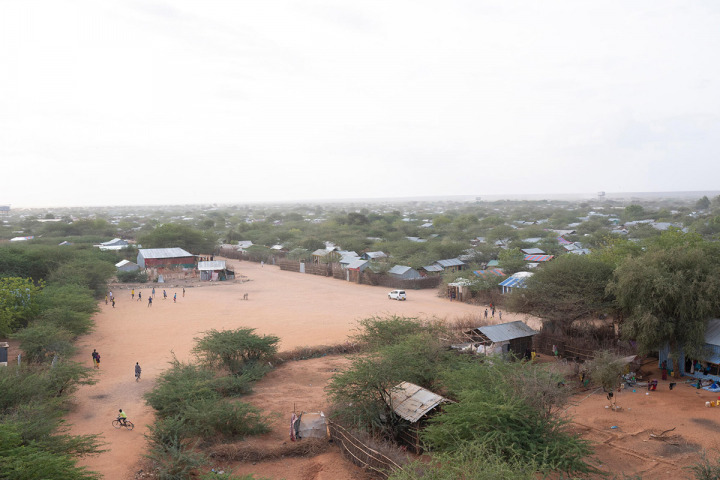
point(628, 196)
point(155, 102)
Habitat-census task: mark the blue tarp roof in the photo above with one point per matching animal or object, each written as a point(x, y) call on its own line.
point(517, 281)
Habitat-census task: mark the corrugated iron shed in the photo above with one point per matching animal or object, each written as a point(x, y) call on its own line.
point(413, 402)
point(506, 331)
point(399, 270)
point(212, 265)
point(450, 262)
point(164, 252)
point(712, 334)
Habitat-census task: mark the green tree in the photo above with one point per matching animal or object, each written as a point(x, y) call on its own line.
point(42, 341)
point(668, 295)
point(511, 260)
point(703, 203)
point(234, 349)
point(170, 235)
point(568, 288)
point(18, 303)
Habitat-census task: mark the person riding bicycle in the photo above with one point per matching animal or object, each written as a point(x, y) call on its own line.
point(122, 418)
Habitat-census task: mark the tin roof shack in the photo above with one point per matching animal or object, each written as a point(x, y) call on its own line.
point(516, 280)
point(114, 244)
point(459, 289)
point(512, 337)
point(451, 264)
point(709, 363)
point(404, 272)
point(126, 266)
point(165, 257)
point(413, 404)
point(214, 271)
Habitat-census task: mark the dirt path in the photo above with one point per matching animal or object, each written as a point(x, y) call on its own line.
point(301, 309)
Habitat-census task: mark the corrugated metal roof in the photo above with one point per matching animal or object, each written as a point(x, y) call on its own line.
point(374, 255)
point(533, 251)
point(516, 280)
point(450, 262)
point(399, 269)
point(493, 263)
point(433, 268)
point(164, 252)
point(122, 262)
point(538, 258)
point(357, 264)
point(506, 331)
point(712, 334)
point(320, 252)
point(562, 241)
point(212, 265)
point(493, 272)
point(413, 402)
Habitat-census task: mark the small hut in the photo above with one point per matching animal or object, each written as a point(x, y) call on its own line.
point(215, 271)
point(413, 404)
point(515, 337)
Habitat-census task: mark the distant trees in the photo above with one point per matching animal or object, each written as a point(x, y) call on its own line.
point(170, 235)
point(703, 203)
point(18, 303)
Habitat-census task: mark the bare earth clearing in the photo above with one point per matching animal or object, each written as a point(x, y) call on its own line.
point(306, 310)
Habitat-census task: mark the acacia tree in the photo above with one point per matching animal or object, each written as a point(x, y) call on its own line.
point(668, 295)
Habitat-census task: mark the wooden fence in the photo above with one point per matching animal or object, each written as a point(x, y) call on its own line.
point(361, 454)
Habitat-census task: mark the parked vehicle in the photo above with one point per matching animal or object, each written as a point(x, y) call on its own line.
point(397, 295)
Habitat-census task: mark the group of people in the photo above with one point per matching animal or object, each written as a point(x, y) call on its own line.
point(109, 298)
point(492, 310)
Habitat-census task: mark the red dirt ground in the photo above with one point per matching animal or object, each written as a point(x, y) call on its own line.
point(305, 310)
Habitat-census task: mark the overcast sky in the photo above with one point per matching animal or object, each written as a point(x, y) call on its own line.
point(178, 102)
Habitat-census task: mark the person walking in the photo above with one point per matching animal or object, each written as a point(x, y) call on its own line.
point(96, 358)
point(153, 292)
point(111, 295)
point(113, 302)
point(164, 295)
point(486, 314)
point(106, 299)
point(500, 314)
point(138, 371)
point(149, 301)
point(132, 294)
point(175, 297)
point(139, 296)
point(183, 292)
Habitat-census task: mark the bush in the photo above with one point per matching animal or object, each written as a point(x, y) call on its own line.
point(508, 421)
point(136, 276)
point(42, 341)
point(234, 350)
point(471, 460)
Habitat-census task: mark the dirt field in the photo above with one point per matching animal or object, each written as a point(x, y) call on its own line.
point(308, 310)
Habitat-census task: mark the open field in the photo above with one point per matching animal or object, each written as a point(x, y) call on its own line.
point(310, 310)
point(300, 309)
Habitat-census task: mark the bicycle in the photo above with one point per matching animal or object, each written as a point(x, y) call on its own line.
point(118, 424)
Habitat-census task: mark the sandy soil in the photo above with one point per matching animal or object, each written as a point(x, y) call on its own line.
point(301, 309)
point(308, 310)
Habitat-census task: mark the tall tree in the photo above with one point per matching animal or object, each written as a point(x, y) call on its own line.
point(669, 294)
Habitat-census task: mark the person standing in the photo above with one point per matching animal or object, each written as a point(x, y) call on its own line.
point(96, 358)
point(139, 296)
point(500, 314)
point(149, 301)
point(106, 299)
point(132, 294)
point(164, 294)
point(175, 297)
point(486, 314)
point(183, 292)
point(138, 371)
point(113, 302)
point(153, 292)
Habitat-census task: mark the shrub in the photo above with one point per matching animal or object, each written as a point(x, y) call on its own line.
point(136, 276)
point(234, 350)
point(42, 341)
